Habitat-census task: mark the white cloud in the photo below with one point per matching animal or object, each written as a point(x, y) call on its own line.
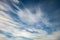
point(8, 25)
point(16, 1)
point(53, 36)
point(28, 17)
point(2, 37)
point(41, 36)
point(2, 7)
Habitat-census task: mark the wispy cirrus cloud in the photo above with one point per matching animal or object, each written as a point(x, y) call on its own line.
point(16, 1)
point(19, 30)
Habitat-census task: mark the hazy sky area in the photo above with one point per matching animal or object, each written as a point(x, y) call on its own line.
point(29, 19)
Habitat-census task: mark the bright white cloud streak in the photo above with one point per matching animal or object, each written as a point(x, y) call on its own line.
point(16, 1)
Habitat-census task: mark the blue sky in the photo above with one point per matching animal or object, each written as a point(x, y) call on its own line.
point(29, 19)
